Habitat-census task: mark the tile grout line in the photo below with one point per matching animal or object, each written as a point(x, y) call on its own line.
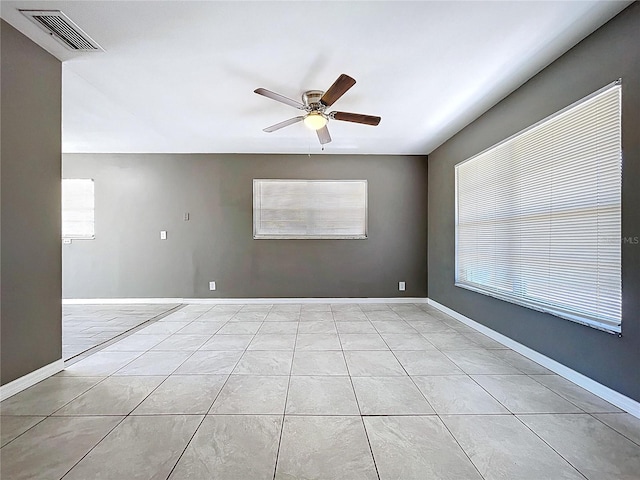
point(405, 370)
point(216, 396)
point(366, 433)
point(547, 444)
point(18, 436)
point(174, 370)
point(491, 395)
point(511, 413)
point(461, 448)
point(559, 394)
point(609, 426)
point(94, 447)
point(470, 376)
point(162, 375)
point(447, 427)
point(436, 414)
point(286, 399)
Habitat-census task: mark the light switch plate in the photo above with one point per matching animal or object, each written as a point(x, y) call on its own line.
point(401, 286)
point(212, 285)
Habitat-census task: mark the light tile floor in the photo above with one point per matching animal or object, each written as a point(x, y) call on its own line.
point(316, 392)
point(87, 326)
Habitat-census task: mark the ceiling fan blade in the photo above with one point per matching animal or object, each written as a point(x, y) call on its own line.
point(286, 123)
point(339, 87)
point(355, 118)
point(323, 135)
point(278, 98)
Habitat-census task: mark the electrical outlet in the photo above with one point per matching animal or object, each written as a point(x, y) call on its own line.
point(163, 234)
point(401, 286)
point(212, 285)
point(185, 217)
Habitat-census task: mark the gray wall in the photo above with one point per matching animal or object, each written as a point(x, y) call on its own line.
point(137, 195)
point(30, 169)
point(609, 53)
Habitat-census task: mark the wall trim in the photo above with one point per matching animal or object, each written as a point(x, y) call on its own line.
point(619, 400)
point(30, 379)
point(225, 301)
point(278, 301)
point(118, 301)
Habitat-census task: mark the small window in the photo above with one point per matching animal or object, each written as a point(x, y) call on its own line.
point(309, 209)
point(538, 216)
point(78, 208)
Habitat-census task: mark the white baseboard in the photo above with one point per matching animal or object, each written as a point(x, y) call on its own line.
point(619, 400)
point(30, 379)
point(280, 301)
point(226, 301)
point(119, 301)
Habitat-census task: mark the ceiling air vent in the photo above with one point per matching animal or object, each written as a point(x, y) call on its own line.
point(62, 28)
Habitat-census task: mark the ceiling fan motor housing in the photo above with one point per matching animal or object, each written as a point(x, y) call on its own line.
point(311, 98)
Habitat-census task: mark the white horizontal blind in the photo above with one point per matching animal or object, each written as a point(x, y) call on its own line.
point(77, 208)
point(309, 208)
point(538, 219)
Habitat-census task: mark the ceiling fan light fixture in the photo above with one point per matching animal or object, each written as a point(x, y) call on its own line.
point(315, 121)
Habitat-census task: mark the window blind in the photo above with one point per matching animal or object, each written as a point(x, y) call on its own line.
point(538, 216)
point(310, 209)
point(77, 208)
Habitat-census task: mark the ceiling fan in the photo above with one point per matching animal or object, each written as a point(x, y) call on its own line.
point(315, 103)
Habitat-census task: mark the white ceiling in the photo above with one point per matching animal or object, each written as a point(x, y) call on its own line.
point(178, 76)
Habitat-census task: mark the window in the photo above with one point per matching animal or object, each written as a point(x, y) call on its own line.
point(538, 216)
point(77, 208)
point(310, 209)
